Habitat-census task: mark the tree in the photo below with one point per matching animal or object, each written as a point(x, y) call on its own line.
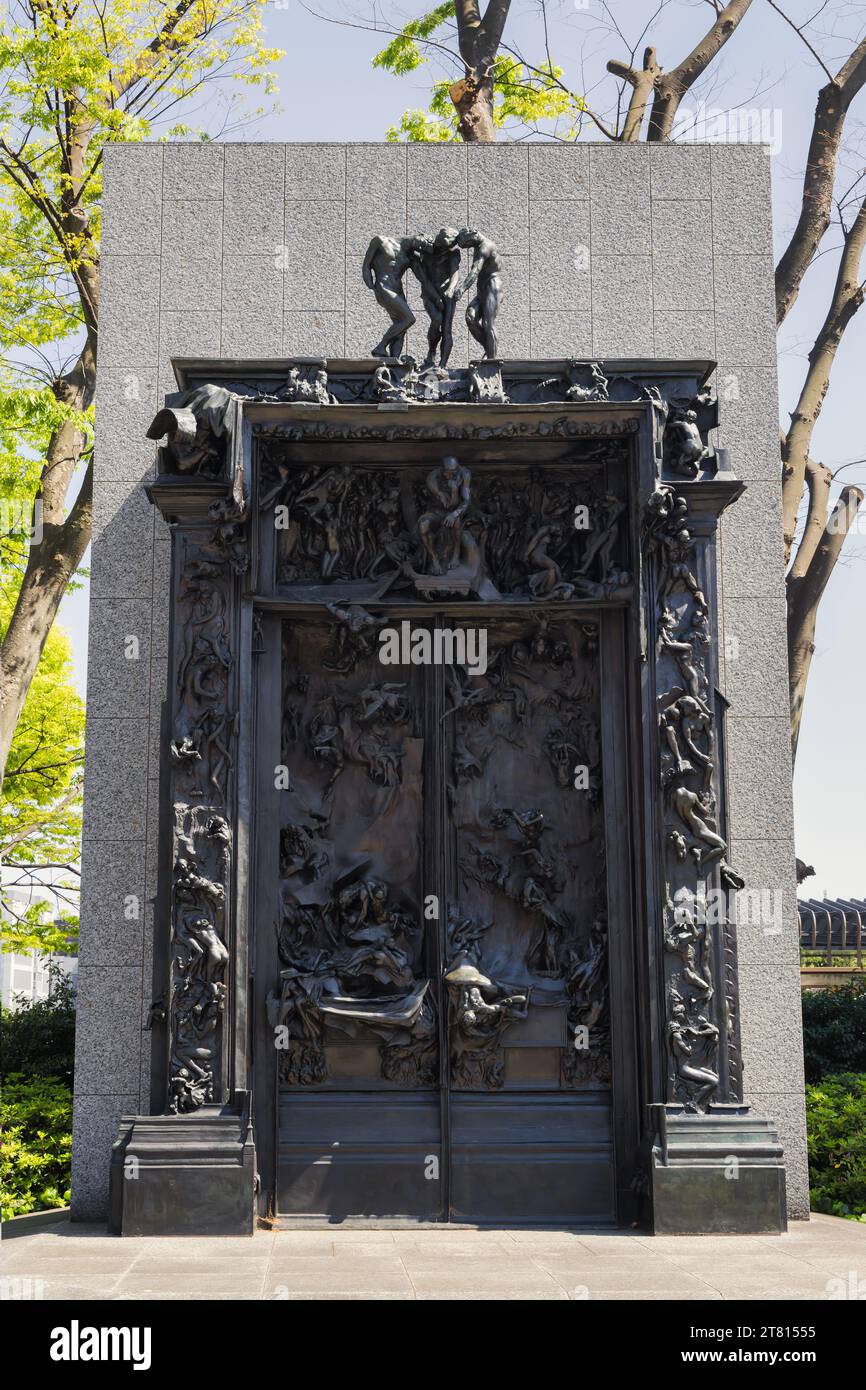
point(79, 75)
point(40, 810)
point(645, 107)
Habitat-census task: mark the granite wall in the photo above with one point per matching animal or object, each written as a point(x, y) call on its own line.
point(254, 250)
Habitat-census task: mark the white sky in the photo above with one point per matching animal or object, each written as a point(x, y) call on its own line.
point(329, 91)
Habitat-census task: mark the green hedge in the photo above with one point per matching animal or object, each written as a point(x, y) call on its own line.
point(38, 1037)
point(836, 1119)
point(36, 1116)
point(834, 1030)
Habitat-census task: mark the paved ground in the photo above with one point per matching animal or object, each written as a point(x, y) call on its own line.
point(822, 1259)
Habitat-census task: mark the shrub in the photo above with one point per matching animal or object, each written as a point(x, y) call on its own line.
point(36, 1116)
point(836, 1116)
point(39, 1037)
point(834, 1030)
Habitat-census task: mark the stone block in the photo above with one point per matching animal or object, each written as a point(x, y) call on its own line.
point(756, 660)
point(680, 171)
point(314, 333)
point(121, 565)
point(129, 307)
point(108, 1036)
point(772, 1049)
point(560, 256)
point(620, 198)
point(558, 171)
point(767, 925)
point(189, 334)
point(561, 334)
point(376, 176)
point(751, 532)
point(437, 172)
point(193, 172)
point(681, 228)
point(759, 778)
point(255, 180)
point(315, 173)
point(119, 677)
point(742, 198)
point(115, 797)
point(132, 200)
point(684, 280)
point(113, 903)
point(684, 333)
point(126, 401)
point(315, 249)
point(748, 421)
point(786, 1110)
point(622, 313)
point(94, 1130)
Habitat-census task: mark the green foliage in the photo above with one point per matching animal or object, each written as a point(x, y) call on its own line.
point(36, 1116)
point(834, 1030)
point(522, 96)
point(40, 805)
point(39, 1037)
point(836, 1117)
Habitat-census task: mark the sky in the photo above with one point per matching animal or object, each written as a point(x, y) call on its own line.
point(330, 91)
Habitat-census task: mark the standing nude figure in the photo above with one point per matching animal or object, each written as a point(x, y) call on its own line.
point(385, 264)
point(485, 275)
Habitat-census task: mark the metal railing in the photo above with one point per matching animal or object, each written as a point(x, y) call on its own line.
point(833, 929)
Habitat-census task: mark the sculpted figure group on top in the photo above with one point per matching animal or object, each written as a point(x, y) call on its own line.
point(435, 262)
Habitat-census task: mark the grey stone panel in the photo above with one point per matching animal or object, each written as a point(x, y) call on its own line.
point(132, 200)
point(620, 198)
point(767, 924)
point(314, 333)
point(129, 311)
point(786, 1109)
point(438, 172)
point(427, 215)
point(376, 176)
point(759, 778)
point(745, 309)
point(255, 179)
point(769, 1007)
point(315, 172)
point(189, 334)
point(254, 334)
point(187, 284)
point(756, 659)
point(680, 171)
point(683, 279)
point(684, 333)
point(121, 565)
point(751, 533)
point(194, 172)
point(126, 401)
point(119, 682)
point(622, 310)
point(363, 221)
point(742, 198)
point(558, 171)
point(108, 1036)
point(115, 803)
point(560, 256)
point(748, 422)
point(94, 1130)
point(499, 195)
point(315, 243)
point(683, 229)
point(113, 888)
point(564, 334)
